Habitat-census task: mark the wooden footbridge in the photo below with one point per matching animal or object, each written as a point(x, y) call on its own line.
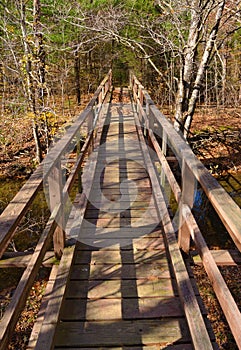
point(123, 280)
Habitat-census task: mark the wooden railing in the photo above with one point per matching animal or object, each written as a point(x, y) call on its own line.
point(49, 174)
point(162, 136)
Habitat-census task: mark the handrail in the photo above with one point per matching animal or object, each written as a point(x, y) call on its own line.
point(228, 211)
point(48, 170)
point(16, 209)
point(192, 169)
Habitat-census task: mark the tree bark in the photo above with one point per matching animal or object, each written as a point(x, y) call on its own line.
point(77, 77)
point(202, 68)
point(39, 47)
point(27, 60)
point(186, 73)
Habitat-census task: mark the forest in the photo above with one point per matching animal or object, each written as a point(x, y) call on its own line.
point(53, 53)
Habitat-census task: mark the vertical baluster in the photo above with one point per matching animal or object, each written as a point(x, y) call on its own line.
point(91, 118)
point(150, 127)
point(78, 151)
point(188, 191)
point(164, 151)
point(56, 197)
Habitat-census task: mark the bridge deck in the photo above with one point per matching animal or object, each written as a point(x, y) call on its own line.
point(122, 292)
point(124, 283)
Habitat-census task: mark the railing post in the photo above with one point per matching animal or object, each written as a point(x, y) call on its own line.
point(140, 95)
point(150, 126)
point(164, 142)
point(188, 191)
point(56, 197)
point(164, 151)
point(78, 151)
point(91, 117)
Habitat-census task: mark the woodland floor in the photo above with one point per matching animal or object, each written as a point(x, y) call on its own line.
point(215, 138)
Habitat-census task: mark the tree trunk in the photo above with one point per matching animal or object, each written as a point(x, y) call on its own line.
point(202, 68)
point(77, 77)
point(29, 79)
point(40, 52)
point(3, 87)
point(186, 73)
point(224, 61)
point(216, 82)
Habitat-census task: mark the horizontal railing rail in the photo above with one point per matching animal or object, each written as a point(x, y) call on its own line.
point(49, 174)
point(161, 136)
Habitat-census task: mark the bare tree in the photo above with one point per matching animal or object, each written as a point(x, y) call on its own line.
point(29, 74)
point(188, 31)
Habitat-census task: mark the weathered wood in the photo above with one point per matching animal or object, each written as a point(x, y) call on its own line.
point(117, 309)
point(226, 208)
point(111, 333)
point(165, 166)
point(121, 232)
point(109, 286)
point(44, 303)
point(199, 334)
point(221, 257)
point(224, 296)
point(9, 260)
point(17, 208)
point(47, 332)
point(149, 287)
point(117, 257)
point(143, 347)
point(55, 184)
point(188, 191)
point(17, 303)
point(15, 211)
point(117, 271)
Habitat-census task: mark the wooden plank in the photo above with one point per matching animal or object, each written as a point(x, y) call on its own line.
point(114, 191)
point(122, 168)
point(105, 224)
point(141, 288)
point(128, 183)
point(114, 242)
point(221, 257)
point(23, 260)
point(133, 213)
point(117, 257)
point(124, 199)
point(142, 347)
point(143, 243)
point(44, 303)
point(46, 335)
point(109, 333)
point(119, 206)
point(118, 233)
point(117, 309)
point(119, 271)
